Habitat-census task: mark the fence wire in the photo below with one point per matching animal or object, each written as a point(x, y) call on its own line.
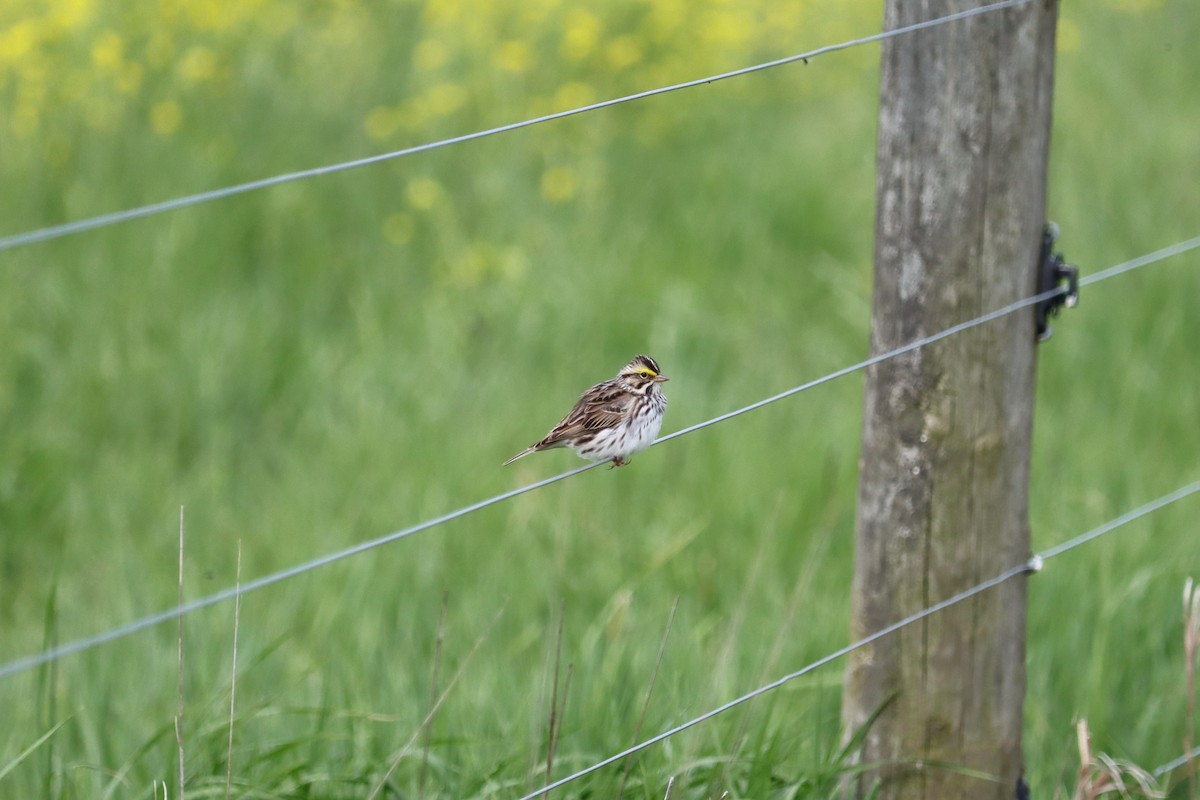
point(1175, 764)
point(87, 643)
point(114, 218)
point(1034, 564)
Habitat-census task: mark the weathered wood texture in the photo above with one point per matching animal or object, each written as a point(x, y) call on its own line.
point(964, 132)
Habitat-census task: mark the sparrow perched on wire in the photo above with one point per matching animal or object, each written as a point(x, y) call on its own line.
point(614, 420)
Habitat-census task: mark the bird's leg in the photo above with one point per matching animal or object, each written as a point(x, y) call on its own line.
point(618, 462)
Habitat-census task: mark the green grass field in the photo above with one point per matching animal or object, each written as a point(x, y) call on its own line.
point(315, 365)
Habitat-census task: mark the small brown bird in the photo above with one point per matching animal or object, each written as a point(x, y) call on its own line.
point(614, 420)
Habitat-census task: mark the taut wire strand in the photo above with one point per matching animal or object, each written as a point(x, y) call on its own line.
point(1112, 525)
point(1034, 564)
point(1118, 269)
point(1175, 764)
point(55, 653)
point(105, 220)
point(1141, 261)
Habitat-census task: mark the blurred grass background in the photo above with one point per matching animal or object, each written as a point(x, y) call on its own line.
point(311, 366)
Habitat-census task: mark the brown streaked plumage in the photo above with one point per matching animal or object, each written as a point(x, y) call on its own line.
point(614, 420)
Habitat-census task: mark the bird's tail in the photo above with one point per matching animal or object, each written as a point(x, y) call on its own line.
point(522, 454)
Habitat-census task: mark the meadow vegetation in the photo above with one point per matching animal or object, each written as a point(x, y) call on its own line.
point(314, 365)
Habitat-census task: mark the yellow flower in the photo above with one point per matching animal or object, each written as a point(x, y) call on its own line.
point(198, 64)
point(514, 56)
point(166, 117)
point(442, 12)
point(582, 34)
point(71, 15)
point(470, 265)
point(445, 98)
point(382, 122)
point(559, 184)
point(108, 51)
point(622, 52)
point(398, 228)
point(18, 41)
point(423, 193)
point(573, 95)
point(724, 28)
point(211, 15)
point(415, 113)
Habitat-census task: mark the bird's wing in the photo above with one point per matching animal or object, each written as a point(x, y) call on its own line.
point(599, 408)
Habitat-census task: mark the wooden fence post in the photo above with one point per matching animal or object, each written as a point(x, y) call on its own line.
point(964, 129)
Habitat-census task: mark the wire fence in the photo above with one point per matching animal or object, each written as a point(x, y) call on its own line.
point(1175, 764)
point(1034, 564)
point(117, 217)
point(79, 645)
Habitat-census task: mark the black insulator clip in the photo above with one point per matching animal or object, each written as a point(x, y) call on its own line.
point(1053, 270)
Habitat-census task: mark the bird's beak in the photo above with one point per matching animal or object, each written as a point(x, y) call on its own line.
point(661, 378)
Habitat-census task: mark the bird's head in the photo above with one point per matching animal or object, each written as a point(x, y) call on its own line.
point(641, 374)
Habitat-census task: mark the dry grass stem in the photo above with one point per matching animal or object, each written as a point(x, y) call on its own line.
point(1191, 644)
point(237, 614)
point(403, 751)
point(437, 665)
point(551, 735)
point(179, 661)
point(562, 706)
point(1100, 774)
